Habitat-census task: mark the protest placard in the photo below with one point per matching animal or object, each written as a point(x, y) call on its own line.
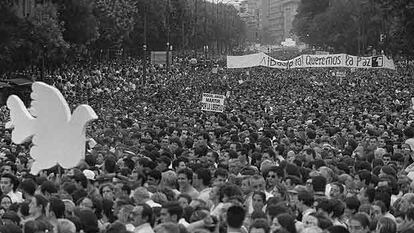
point(212, 102)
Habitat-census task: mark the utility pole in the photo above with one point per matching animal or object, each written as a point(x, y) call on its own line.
point(144, 47)
point(217, 32)
point(182, 34)
point(42, 72)
point(217, 28)
point(195, 27)
point(205, 22)
point(168, 36)
point(359, 28)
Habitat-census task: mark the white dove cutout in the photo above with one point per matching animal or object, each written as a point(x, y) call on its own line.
point(57, 136)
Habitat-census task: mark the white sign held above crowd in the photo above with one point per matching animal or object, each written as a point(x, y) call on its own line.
point(212, 102)
point(412, 103)
point(311, 61)
point(340, 74)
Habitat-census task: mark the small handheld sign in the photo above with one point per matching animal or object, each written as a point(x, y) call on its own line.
point(212, 102)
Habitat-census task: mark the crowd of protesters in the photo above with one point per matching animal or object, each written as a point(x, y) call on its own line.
point(295, 151)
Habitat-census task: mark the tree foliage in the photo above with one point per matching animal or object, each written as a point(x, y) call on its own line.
point(9, 35)
point(47, 34)
point(116, 21)
point(356, 26)
point(400, 17)
point(80, 24)
point(187, 25)
point(59, 30)
point(29, 40)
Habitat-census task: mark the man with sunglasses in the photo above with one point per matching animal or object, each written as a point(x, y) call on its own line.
point(273, 177)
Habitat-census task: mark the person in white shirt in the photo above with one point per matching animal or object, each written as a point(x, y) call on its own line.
point(257, 183)
point(141, 217)
point(8, 185)
point(201, 181)
point(185, 178)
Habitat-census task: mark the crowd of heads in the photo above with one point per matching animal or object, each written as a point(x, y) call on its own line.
point(296, 151)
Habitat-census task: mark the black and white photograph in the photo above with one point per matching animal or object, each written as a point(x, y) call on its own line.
point(206, 116)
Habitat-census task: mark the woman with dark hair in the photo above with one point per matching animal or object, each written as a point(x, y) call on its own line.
point(279, 191)
point(228, 191)
point(108, 216)
point(5, 202)
point(107, 191)
point(258, 200)
point(285, 221)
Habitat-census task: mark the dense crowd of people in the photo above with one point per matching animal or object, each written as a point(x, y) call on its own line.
point(295, 151)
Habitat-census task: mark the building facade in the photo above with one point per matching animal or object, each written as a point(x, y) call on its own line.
point(277, 19)
point(25, 8)
point(250, 11)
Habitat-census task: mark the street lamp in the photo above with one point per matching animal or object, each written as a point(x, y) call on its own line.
point(205, 51)
point(144, 48)
point(217, 23)
point(168, 56)
point(168, 35)
point(43, 62)
point(144, 60)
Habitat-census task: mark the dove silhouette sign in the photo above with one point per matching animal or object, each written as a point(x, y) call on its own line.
point(58, 137)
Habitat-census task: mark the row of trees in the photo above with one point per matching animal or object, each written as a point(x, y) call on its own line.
point(58, 30)
point(357, 26)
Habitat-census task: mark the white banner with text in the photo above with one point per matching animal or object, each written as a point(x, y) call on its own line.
point(311, 61)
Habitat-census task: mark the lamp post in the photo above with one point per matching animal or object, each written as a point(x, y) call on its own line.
point(217, 23)
point(144, 60)
point(206, 51)
point(144, 48)
point(168, 57)
point(168, 36)
point(42, 74)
